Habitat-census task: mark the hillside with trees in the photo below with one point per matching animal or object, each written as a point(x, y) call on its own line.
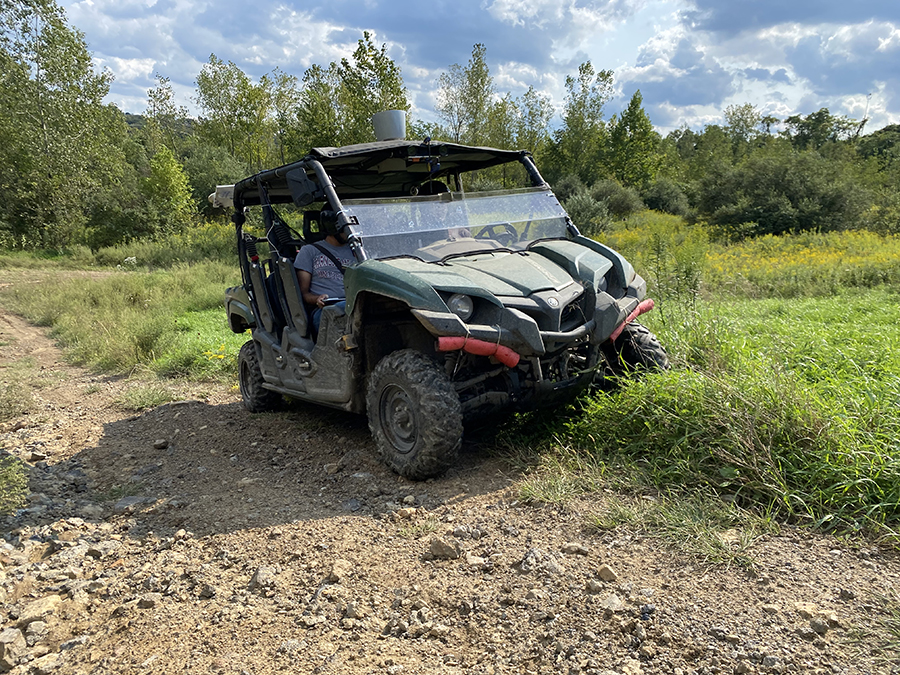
point(77, 171)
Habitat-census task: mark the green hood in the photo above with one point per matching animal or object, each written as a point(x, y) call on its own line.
point(500, 273)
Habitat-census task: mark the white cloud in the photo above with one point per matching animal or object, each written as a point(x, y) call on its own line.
point(128, 70)
point(686, 71)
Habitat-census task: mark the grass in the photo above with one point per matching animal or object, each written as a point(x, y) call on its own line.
point(418, 529)
point(168, 321)
point(144, 396)
point(714, 530)
point(785, 408)
point(803, 265)
point(13, 484)
point(783, 398)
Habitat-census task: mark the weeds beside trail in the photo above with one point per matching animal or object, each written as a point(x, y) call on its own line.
point(785, 405)
point(170, 322)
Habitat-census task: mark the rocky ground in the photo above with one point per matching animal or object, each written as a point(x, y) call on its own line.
point(199, 538)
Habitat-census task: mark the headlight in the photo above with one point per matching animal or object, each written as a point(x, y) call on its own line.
point(461, 305)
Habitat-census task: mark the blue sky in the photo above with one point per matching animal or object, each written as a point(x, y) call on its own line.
point(690, 58)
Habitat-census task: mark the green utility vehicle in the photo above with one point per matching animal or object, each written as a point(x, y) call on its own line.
point(459, 303)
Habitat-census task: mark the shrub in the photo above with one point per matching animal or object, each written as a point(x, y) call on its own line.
point(620, 201)
point(782, 193)
point(568, 186)
point(664, 194)
point(589, 215)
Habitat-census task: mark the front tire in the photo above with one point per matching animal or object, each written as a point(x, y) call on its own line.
point(256, 397)
point(636, 349)
point(414, 415)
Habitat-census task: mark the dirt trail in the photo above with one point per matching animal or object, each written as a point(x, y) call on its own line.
point(199, 538)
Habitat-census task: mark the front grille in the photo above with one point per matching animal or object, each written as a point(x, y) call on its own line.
point(572, 316)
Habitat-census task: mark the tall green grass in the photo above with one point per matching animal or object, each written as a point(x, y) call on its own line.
point(211, 241)
point(169, 321)
point(786, 406)
point(204, 242)
point(785, 390)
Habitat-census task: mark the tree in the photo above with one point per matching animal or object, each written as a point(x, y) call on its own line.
point(632, 145)
point(166, 122)
point(818, 128)
point(532, 127)
point(369, 83)
point(285, 99)
point(464, 99)
point(168, 189)
point(742, 124)
point(578, 144)
point(207, 166)
point(318, 111)
point(58, 135)
point(335, 105)
point(237, 113)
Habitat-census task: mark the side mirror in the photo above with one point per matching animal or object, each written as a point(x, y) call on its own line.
point(303, 190)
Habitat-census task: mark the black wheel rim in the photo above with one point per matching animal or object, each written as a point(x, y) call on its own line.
point(398, 418)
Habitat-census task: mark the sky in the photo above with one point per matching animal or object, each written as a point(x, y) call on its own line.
point(689, 58)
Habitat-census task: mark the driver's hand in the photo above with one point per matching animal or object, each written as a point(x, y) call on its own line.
point(320, 301)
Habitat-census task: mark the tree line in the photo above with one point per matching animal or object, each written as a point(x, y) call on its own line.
point(74, 170)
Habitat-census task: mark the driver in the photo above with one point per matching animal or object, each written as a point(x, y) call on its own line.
point(320, 268)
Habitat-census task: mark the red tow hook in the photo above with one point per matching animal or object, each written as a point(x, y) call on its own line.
point(504, 355)
point(642, 308)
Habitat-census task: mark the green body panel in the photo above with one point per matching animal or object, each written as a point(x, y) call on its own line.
point(623, 267)
point(238, 309)
point(385, 278)
point(581, 262)
point(512, 274)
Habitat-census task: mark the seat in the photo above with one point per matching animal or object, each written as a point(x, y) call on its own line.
point(293, 299)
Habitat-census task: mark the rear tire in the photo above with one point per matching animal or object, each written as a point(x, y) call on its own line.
point(636, 349)
point(256, 397)
point(414, 415)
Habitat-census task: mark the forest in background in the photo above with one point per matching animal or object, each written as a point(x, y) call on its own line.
point(75, 171)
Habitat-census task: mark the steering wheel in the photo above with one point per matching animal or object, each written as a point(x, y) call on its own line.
point(505, 237)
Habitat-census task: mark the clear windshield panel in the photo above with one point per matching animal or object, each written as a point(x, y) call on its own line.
point(432, 228)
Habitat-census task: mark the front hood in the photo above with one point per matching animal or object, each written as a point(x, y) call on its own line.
point(500, 273)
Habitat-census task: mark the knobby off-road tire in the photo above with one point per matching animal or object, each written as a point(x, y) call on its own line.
point(636, 349)
point(414, 415)
point(256, 397)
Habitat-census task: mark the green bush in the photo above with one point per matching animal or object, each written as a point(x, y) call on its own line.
point(782, 193)
point(568, 186)
point(589, 215)
point(620, 201)
point(665, 195)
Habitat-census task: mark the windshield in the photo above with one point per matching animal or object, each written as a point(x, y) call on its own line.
point(453, 223)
